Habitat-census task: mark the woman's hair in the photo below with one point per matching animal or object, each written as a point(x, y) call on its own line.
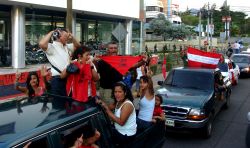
point(29, 87)
point(79, 51)
point(126, 90)
point(160, 97)
point(148, 79)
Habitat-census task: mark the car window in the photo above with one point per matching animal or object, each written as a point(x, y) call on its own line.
point(223, 67)
point(69, 135)
point(169, 78)
point(193, 79)
point(40, 142)
point(240, 59)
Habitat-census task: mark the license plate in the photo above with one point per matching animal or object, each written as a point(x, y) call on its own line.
point(169, 122)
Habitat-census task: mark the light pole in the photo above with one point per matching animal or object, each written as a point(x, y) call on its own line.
point(200, 29)
point(69, 15)
point(212, 25)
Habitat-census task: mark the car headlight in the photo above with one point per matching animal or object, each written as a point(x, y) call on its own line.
point(245, 69)
point(196, 114)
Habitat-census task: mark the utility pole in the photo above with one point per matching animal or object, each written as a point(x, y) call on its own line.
point(212, 25)
point(69, 15)
point(200, 29)
point(208, 29)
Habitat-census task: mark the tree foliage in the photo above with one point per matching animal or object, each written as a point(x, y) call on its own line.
point(162, 27)
point(159, 25)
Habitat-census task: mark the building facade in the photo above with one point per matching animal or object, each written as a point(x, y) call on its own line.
point(24, 22)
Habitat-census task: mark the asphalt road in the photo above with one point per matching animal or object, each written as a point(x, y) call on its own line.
point(229, 129)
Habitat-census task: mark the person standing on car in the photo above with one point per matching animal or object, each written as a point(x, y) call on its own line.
point(58, 53)
point(124, 115)
point(109, 75)
point(146, 104)
point(81, 85)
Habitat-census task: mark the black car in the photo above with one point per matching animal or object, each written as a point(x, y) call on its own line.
point(243, 61)
point(190, 101)
point(47, 124)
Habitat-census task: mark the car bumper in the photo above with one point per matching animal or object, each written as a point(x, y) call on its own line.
point(185, 124)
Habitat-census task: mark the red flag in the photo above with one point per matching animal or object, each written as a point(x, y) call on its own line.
point(163, 68)
point(199, 58)
point(121, 63)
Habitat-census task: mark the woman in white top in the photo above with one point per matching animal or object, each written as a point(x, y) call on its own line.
point(146, 104)
point(124, 117)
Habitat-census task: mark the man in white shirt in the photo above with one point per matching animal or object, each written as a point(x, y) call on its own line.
point(58, 54)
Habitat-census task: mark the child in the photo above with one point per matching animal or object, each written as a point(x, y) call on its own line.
point(158, 112)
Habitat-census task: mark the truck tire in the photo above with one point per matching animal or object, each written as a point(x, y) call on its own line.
point(227, 103)
point(207, 129)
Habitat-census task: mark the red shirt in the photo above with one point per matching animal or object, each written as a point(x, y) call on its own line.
point(157, 111)
point(78, 83)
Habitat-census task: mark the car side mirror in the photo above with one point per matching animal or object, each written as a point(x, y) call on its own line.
point(160, 83)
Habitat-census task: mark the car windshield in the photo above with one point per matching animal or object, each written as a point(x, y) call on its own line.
point(240, 59)
point(223, 67)
point(193, 79)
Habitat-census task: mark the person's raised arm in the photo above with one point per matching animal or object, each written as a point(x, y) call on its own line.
point(17, 86)
point(75, 42)
point(45, 41)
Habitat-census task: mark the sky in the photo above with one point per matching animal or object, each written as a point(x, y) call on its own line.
point(240, 5)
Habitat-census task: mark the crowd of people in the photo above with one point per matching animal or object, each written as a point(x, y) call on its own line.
point(74, 73)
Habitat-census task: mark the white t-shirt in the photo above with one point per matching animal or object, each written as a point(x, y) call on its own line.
point(146, 109)
point(59, 56)
point(129, 128)
point(139, 73)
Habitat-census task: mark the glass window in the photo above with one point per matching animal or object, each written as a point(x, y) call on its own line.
point(42, 142)
point(5, 37)
point(37, 25)
point(105, 31)
point(136, 32)
point(194, 80)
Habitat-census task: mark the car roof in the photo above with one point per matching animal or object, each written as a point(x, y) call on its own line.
point(195, 69)
point(246, 55)
point(15, 123)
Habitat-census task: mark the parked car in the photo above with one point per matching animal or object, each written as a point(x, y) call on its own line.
point(190, 101)
point(234, 70)
point(46, 124)
point(243, 61)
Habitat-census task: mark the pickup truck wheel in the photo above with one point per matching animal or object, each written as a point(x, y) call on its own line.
point(207, 130)
point(227, 103)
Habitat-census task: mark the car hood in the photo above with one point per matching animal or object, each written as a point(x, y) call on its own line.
point(184, 97)
point(242, 65)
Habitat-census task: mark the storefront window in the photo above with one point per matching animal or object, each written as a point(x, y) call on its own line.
point(104, 31)
point(136, 31)
point(37, 25)
point(5, 36)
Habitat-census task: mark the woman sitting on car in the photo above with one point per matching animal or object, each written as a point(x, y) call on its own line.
point(124, 117)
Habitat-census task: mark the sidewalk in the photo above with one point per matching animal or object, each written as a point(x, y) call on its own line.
point(10, 70)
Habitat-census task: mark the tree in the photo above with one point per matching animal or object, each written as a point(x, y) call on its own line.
point(177, 32)
point(159, 25)
point(190, 20)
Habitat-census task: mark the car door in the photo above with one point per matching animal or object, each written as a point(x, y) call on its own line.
point(236, 70)
point(218, 103)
